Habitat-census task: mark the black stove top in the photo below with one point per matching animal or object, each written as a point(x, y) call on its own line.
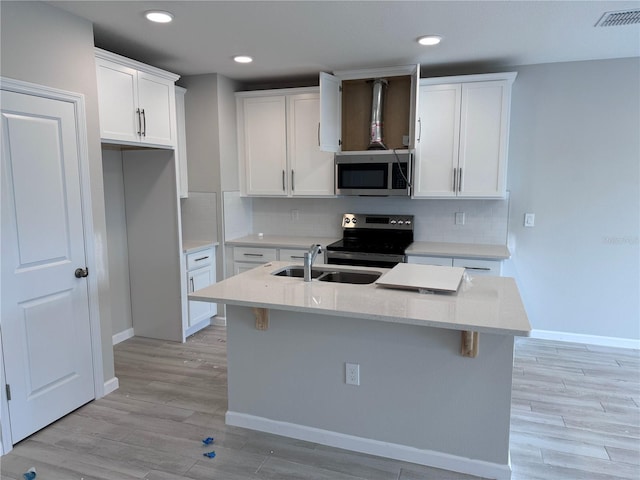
point(395, 246)
point(374, 234)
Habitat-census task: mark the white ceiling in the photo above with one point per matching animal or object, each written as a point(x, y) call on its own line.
point(297, 39)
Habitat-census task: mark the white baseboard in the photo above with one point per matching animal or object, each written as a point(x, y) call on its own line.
point(373, 447)
point(111, 385)
point(122, 336)
point(588, 339)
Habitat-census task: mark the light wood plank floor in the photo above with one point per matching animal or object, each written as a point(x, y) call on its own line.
point(575, 415)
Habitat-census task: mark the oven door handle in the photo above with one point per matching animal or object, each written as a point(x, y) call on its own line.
point(364, 256)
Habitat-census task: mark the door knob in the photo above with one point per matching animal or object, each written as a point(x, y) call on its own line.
point(81, 272)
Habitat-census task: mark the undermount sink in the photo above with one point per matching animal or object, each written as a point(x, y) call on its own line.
point(297, 272)
point(325, 274)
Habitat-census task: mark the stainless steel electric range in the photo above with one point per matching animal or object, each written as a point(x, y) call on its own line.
point(372, 240)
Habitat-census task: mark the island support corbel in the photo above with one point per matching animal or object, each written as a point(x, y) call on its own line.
point(469, 344)
point(262, 318)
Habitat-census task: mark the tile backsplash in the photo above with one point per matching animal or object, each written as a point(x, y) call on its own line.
point(199, 216)
point(486, 221)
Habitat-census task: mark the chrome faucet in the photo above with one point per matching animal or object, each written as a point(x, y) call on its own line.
point(309, 257)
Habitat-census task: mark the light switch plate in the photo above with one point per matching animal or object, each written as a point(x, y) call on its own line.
point(460, 218)
point(529, 219)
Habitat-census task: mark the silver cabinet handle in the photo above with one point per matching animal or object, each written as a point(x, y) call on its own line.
point(293, 185)
point(253, 254)
point(201, 258)
point(455, 178)
point(192, 285)
point(318, 133)
point(139, 121)
point(296, 256)
point(283, 187)
point(419, 129)
point(144, 123)
point(483, 269)
point(460, 180)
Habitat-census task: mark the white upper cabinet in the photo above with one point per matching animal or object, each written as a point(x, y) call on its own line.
point(463, 136)
point(136, 102)
point(330, 112)
point(279, 144)
point(346, 100)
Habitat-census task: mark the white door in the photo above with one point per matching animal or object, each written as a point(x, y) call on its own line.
point(330, 113)
point(157, 108)
point(312, 171)
point(437, 155)
point(265, 145)
point(46, 336)
point(118, 100)
point(483, 139)
point(198, 279)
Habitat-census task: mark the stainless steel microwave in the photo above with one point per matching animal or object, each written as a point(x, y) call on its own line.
point(375, 173)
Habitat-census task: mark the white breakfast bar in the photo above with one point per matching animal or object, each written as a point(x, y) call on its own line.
point(435, 369)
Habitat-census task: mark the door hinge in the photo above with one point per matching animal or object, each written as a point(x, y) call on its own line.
point(8, 389)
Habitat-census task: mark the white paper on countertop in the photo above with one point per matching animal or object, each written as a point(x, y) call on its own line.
point(422, 277)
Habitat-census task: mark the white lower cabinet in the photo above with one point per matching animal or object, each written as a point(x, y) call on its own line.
point(246, 258)
point(296, 255)
point(473, 266)
point(201, 272)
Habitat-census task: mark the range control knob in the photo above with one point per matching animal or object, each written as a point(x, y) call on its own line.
point(393, 222)
point(407, 222)
point(400, 222)
point(355, 220)
point(347, 220)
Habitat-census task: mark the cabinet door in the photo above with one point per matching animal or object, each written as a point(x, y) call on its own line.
point(438, 141)
point(483, 139)
point(330, 113)
point(311, 170)
point(117, 102)
point(157, 103)
point(198, 279)
point(264, 139)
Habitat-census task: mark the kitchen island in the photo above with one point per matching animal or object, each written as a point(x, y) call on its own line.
point(419, 399)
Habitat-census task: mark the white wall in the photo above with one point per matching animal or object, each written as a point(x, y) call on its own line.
point(48, 46)
point(574, 161)
point(116, 218)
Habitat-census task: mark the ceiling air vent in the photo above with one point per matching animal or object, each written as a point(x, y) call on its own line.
point(615, 19)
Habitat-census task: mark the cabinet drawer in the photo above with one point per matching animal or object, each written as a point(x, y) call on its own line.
point(254, 254)
point(292, 255)
point(199, 259)
point(476, 266)
point(441, 261)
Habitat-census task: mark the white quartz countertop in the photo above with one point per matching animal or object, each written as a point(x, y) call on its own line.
point(463, 250)
point(486, 304)
point(195, 245)
point(279, 241)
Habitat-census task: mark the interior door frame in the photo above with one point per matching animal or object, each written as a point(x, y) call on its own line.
point(77, 99)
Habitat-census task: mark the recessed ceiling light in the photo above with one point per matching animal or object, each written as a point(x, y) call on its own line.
point(158, 16)
point(243, 59)
point(430, 40)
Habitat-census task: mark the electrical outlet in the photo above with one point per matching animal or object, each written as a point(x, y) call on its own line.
point(529, 219)
point(295, 215)
point(405, 140)
point(460, 218)
point(352, 373)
